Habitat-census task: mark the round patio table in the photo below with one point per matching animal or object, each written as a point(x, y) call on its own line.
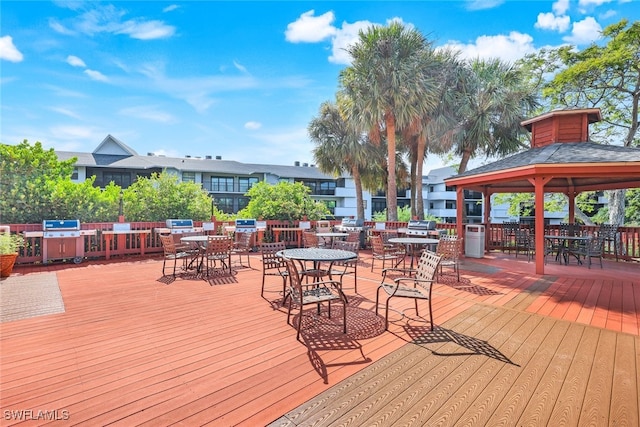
point(413, 242)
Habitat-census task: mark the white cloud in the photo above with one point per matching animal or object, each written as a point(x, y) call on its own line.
point(65, 112)
point(148, 113)
point(96, 75)
point(253, 125)
point(586, 31)
point(344, 37)
point(72, 132)
point(588, 3)
point(8, 51)
point(148, 30)
point(74, 61)
point(310, 29)
point(608, 14)
point(170, 8)
point(549, 21)
point(97, 19)
point(560, 7)
point(59, 28)
point(508, 48)
point(483, 4)
point(240, 67)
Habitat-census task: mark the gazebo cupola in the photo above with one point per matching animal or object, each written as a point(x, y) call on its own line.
point(561, 126)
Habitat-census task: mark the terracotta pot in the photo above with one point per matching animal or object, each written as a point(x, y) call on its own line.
point(6, 264)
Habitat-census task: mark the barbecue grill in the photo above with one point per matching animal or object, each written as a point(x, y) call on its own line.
point(246, 226)
point(62, 239)
point(178, 226)
point(351, 224)
point(422, 228)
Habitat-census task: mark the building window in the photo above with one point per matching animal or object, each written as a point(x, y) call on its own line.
point(450, 188)
point(188, 177)
point(431, 189)
point(221, 183)
point(327, 187)
point(242, 202)
point(225, 204)
point(123, 179)
point(431, 205)
point(74, 174)
point(450, 204)
point(244, 184)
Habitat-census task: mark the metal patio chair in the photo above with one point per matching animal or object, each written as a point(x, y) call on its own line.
point(415, 284)
point(303, 294)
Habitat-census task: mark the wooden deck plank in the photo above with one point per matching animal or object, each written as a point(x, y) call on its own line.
point(133, 348)
point(538, 410)
point(597, 400)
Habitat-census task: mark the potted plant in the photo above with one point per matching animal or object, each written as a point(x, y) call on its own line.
point(9, 246)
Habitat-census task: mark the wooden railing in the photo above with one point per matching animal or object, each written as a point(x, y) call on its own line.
point(128, 244)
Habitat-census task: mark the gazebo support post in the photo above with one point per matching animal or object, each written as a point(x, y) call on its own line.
point(538, 182)
point(487, 209)
point(460, 206)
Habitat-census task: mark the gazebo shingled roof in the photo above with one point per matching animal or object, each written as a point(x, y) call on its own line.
point(556, 163)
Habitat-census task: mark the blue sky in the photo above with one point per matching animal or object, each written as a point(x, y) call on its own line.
point(235, 79)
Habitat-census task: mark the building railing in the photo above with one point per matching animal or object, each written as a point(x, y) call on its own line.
point(129, 244)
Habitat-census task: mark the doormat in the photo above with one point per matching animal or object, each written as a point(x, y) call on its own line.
point(22, 297)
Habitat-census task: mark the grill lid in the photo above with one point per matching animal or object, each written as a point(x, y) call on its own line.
point(60, 224)
point(179, 223)
point(352, 222)
point(415, 224)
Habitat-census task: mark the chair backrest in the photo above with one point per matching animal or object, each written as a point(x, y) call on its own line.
point(608, 231)
point(219, 247)
point(347, 246)
point(427, 269)
point(449, 247)
point(595, 245)
point(168, 244)
point(386, 235)
point(309, 239)
point(569, 229)
point(269, 258)
point(294, 278)
point(354, 236)
point(377, 246)
point(244, 241)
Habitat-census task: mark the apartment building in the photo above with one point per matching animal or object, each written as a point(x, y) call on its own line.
point(227, 181)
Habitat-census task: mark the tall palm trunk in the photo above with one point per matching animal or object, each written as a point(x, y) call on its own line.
point(355, 173)
point(392, 190)
point(422, 144)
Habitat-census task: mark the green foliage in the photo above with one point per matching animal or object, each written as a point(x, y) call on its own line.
point(85, 202)
point(10, 243)
point(632, 209)
point(162, 196)
point(284, 201)
point(522, 204)
point(404, 215)
point(28, 177)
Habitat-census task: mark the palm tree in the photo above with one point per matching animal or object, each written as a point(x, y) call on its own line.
point(339, 148)
point(385, 89)
point(432, 132)
point(494, 100)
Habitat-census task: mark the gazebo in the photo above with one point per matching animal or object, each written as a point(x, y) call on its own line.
point(561, 160)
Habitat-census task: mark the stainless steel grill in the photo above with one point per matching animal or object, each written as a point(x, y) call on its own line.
point(63, 239)
point(422, 228)
point(246, 226)
point(351, 224)
point(178, 226)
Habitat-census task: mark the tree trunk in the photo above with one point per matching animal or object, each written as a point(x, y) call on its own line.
point(616, 206)
point(464, 161)
point(359, 199)
point(419, 168)
point(392, 189)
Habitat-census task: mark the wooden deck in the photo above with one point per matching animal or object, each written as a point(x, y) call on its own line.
point(510, 348)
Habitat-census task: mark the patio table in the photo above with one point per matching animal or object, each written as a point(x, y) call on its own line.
point(563, 245)
point(413, 243)
point(332, 236)
point(201, 241)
